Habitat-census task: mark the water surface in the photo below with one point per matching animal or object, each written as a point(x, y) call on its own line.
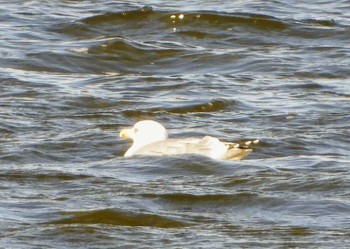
point(73, 73)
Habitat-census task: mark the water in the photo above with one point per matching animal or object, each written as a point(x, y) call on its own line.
point(73, 73)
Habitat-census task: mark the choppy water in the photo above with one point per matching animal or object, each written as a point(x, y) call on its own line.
point(73, 73)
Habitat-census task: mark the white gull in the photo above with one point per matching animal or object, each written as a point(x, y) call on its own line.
point(151, 138)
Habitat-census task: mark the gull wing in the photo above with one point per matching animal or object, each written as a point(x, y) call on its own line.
point(207, 146)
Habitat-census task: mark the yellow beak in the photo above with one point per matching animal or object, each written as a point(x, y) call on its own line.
point(126, 133)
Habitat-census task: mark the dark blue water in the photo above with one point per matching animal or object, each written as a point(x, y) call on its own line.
point(73, 73)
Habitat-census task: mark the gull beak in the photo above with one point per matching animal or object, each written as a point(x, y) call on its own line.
point(126, 133)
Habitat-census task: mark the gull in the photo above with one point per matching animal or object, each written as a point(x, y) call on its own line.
point(151, 138)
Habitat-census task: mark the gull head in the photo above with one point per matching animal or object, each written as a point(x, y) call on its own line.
point(145, 132)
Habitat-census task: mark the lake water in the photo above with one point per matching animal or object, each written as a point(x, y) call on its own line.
point(73, 73)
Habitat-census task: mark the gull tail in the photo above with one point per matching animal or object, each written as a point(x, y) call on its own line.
point(237, 151)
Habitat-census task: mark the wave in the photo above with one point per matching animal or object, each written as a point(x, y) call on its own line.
point(215, 105)
point(120, 218)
